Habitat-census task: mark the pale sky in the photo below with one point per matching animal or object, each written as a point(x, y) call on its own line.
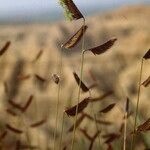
point(13, 8)
point(18, 5)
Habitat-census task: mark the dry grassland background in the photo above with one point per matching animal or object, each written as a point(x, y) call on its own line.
point(117, 71)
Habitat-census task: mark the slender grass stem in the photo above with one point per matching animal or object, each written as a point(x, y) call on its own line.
point(58, 101)
point(62, 129)
point(79, 91)
point(125, 131)
point(137, 106)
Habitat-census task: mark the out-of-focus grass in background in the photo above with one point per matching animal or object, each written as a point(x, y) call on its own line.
point(116, 70)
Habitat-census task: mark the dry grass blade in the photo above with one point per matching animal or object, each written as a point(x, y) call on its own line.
point(79, 121)
point(38, 56)
point(101, 97)
point(84, 132)
point(39, 78)
point(55, 78)
point(14, 104)
point(144, 127)
point(83, 86)
point(4, 48)
point(20, 146)
point(17, 106)
point(146, 83)
point(39, 123)
point(81, 106)
point(109, 147)
point(111, 137)
point(108, 108)
point(93, 140)
point(98, 121)
point(127, 106)
point(28, 103)
point(70, 9)
point(14, 130)
point(102, 48)
point(74, 40)
point(23, 77)
point(95, 136)
point(11, 112)
point(3, 135)
point(65, 147)
point(147, 55)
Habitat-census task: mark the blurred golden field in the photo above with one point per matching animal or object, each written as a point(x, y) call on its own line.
point(117, 71)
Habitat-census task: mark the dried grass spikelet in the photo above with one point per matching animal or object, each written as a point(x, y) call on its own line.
point(14, 104)
point(93, 140)
point(84, 132)
point(97, 121)
point(144, 127)
point(39, 123)
point(29, 101)
point(20, 146)
point(4, 48)
point(108, 108)
point(55, 78)
point(102, 48)
point(70, 10)
point(37, 57)
point(83, 86)
point(65, 147)
point(127, 105)
point(111, 137)
point(147, 55)
point(81, 106)
point(146, 83)
point(74, 40)
point(109, 147)
point(14, 130)
point(11, 112)
point(79, 121)
point(39, 78)
point(18, 106)
point(3, 135)
point(23, 77)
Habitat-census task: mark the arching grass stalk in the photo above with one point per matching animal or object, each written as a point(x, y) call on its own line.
point(125, 131)
point(137, 106)
point(58, 99)
point(62, 130)
point(79, 91)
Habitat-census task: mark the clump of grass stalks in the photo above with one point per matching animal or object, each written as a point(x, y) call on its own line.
point(145, 57)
